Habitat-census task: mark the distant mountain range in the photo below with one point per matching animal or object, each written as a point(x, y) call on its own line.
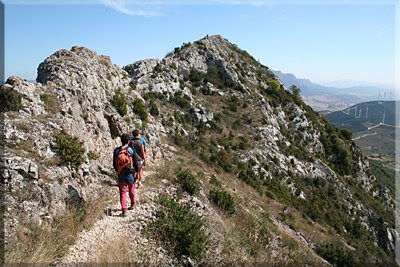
point(327, 98)
point(352, 83)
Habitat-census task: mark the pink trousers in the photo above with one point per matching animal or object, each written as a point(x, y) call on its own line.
point(123, 187)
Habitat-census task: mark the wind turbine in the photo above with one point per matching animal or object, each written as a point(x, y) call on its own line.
point(383, 120)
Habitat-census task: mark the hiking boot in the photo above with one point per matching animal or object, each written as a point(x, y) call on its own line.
point(123, 213)
point(133, 206)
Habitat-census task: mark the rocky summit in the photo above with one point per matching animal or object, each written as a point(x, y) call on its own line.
point(263, 177)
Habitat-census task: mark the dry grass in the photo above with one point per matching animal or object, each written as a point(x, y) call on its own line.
point(298, 253)
point(50, 102)
point(34, 244)
point(104, 61)
point(166, 171)
point(23, 125)
point(116, 251)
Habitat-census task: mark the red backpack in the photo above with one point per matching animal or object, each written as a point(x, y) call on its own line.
point(124, 161)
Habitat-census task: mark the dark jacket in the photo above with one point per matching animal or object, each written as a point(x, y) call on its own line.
point(124, 177)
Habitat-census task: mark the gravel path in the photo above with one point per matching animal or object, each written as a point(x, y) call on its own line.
point(120, 239)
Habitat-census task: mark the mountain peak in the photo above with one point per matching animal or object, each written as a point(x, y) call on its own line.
point(75, 64)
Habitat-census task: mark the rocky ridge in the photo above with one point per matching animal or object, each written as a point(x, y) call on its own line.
point(192, 87)
point(169, 76)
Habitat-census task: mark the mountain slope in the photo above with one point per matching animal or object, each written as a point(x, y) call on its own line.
point(372, 124)
point(361, 116)
point(300, 189)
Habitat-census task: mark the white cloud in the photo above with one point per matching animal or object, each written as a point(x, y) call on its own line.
point(135, 7)
point(123, 7)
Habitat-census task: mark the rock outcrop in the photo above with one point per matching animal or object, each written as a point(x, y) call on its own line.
point(81, 85)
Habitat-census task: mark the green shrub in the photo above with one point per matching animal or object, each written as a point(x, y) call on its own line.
point(247, 174)
point(355, 229)
point(215, 181)
point(216, 74)
point(92, 155)
point(223, 159)
point(182, 101)
point(289, 220)
point(10, 100)
point(277, 190)
point(70, 149)
point(244, 143)
point(154, 109)
point(296, 95)
point(196, 76)
point(188, 182)
point(205, 90)
point(153, 95)
point(298, 151)
point(274, 85)
point(336, 255)
point(276, 94)
point(181, 231)
point(157, 68)
point(119, 103)
point(346, 134)
point(341, 159)
point(140, 109)
point(201, 45)
point(223, 200)
point(132, 84)
point(233, 104)
point(385, 176)
point(50, 102)
point(127, 120)
point(184, 45)
point(178, 139)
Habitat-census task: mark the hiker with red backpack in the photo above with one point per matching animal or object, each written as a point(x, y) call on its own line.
point(123, 162)
point(140, 157)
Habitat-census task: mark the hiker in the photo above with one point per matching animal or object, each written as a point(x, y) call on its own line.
point(124, 166)
point(144, 141)
point(141, 158)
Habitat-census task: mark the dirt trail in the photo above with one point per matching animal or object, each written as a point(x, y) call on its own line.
point(119, 239)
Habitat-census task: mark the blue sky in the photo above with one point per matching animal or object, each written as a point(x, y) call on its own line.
point(354, 40)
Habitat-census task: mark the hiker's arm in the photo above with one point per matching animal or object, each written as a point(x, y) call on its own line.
point(134, 169)
point(144, 155)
